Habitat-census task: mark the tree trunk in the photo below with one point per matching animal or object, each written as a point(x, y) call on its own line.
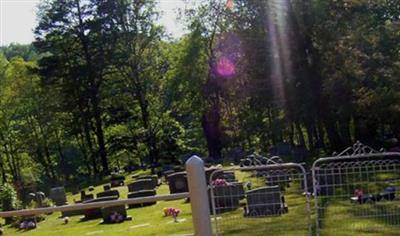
point(211, 128)
point(93, 89)
point(100, 135)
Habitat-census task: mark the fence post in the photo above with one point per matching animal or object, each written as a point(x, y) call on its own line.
point(199, 196)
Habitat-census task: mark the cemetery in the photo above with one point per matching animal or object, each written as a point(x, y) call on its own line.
point(200, 117)
point(261, 197)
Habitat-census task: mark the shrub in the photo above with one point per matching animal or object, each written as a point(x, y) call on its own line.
point(8, 199)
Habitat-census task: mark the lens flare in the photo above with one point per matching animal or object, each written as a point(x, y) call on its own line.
point(225, 67)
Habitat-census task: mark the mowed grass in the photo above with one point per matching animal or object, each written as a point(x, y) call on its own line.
point(343, 218)
point(340, 217)
point(147, 221)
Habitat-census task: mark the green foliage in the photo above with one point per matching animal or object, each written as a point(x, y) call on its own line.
point(8, 197)
point(108, 89)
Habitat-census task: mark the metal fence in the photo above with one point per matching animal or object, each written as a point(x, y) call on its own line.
point(260, 200)
point(356, 192)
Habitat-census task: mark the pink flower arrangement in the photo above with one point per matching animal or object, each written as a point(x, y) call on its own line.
point(219, 182)
point(170, 211)
point(115, 217)
point(27, 225)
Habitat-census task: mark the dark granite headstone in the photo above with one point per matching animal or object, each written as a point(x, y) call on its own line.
point(107, 187)
point(264, 201)
point(227, 198)
point(154, 178)
point(107, 213)
point(96, 212)
point(58, 196)
point(142, 184)
point(111, 193)
point(142, 193)
point(178, 183)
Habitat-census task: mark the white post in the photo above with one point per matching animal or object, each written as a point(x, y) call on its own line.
point(199, 196)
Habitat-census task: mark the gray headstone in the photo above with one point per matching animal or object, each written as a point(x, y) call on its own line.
point(108, 211)
point(154, 178)
point(142, 193)
point(264, 201)
point(178, 183)
point(106, 187)
point(227, 198)
point(58, 196)
point(142, 184)
point(111, 193)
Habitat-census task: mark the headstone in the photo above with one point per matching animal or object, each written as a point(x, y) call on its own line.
point(96, 212)
point(142, 193)
point(91, 188)
point(143, 184)
point(107, 187)
point(154, 179)
point(168, 172)
point(58, 196)
point(227, 198)
point(107, 214)
point(264, 201)
point(177, 183)
point(117, 181)
point(85, 197)
point(111, 193)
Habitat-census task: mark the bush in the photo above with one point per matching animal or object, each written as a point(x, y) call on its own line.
point(8, 198)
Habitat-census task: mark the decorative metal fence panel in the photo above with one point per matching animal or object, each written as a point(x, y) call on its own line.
point(260, 200)
point(356, 192)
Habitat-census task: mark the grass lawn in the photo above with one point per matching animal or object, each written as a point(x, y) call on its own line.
point(340, 217)
point(146, 221)
point(343, 218)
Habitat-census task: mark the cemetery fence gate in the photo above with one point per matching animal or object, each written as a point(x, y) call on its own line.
point(270, 199)
point(356, 192)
